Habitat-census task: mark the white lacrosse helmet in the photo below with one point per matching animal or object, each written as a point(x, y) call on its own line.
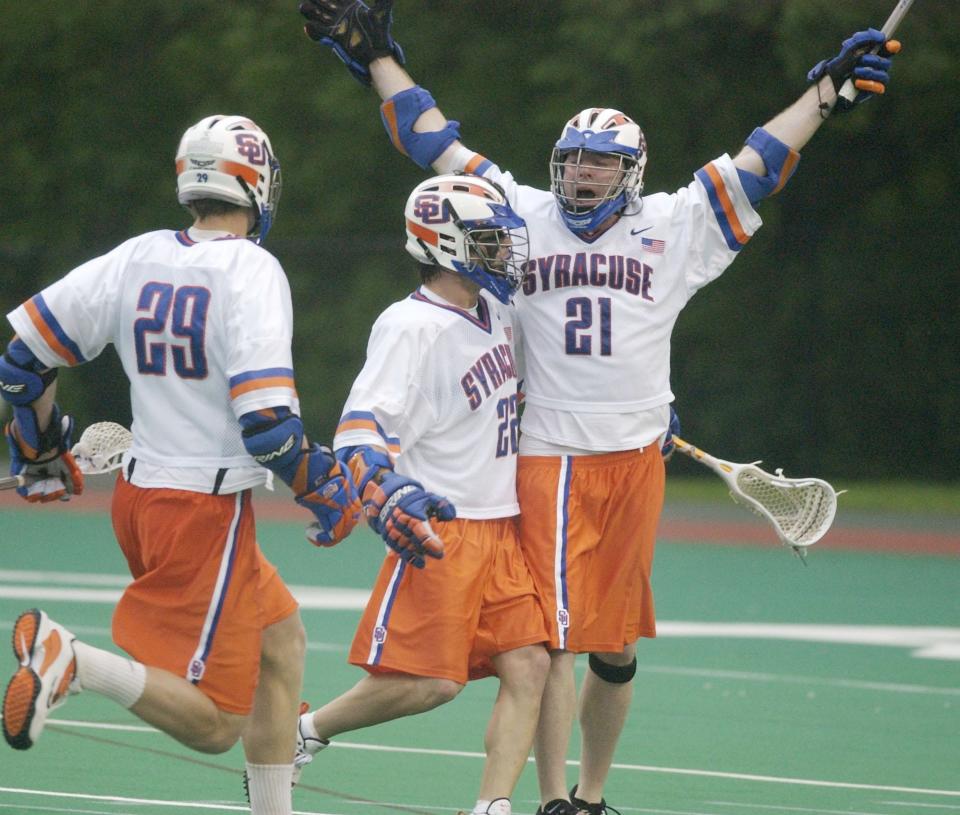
point(229, 158)
point(586, 194)
point(464, 223)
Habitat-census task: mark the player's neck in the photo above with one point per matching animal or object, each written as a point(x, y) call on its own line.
point(596, 233)
point(455, 289)
point(236, 223)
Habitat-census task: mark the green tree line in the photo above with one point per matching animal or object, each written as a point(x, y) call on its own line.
point(832, 345)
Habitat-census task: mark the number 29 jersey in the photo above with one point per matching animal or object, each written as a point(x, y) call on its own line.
point(203, 330)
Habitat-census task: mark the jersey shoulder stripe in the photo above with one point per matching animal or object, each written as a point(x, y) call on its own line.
point(51, 331)
point(477, 165)
point(723, 207)
point(360, 421)
point(258, 380)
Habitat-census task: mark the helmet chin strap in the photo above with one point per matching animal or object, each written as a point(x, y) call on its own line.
point(595, 219)
point(257, 217)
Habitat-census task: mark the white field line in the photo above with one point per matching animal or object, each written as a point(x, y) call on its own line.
point(309, 597)
point(643, 768)
point(101, 631)
point(932, 642)
point(117, 799)
point(778, 808)
point(670, 670)
point(750, 676)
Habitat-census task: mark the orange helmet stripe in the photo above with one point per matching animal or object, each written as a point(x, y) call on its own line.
point(423, 233)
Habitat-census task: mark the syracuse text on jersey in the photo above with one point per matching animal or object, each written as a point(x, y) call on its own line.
point(588, 269)
point(489, 372)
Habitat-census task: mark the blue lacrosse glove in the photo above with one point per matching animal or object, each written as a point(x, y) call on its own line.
point(673, 429)
point(357, 33)
point(864, 58)
point(43, 459)
point(326, 488)
point(399, 510)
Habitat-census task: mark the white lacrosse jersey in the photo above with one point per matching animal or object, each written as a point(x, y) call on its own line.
point(202, 323)
point(597, 316)
point(439, 391)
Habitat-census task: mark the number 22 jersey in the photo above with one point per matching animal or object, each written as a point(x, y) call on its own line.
point(439, 391)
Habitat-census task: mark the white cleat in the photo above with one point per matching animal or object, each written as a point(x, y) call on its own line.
point(46, 676)
point(307, 747)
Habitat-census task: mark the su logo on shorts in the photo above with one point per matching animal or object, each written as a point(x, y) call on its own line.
point(379, 634)
point(563, 618)
point(196, 670)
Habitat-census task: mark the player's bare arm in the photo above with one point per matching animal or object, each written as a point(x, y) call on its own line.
point(771, 153)
point(360, 37)
point(794, 126)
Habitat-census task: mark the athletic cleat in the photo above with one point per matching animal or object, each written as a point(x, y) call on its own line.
point(558, 806)
point(46, 676)
point(307, 747)
point(591, 809)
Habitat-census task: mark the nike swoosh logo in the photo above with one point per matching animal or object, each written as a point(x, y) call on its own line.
point(638, 231)
point(25, 650)
point(51, 650)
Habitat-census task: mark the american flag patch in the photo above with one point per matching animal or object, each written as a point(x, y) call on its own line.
point(653, 245)
point(508, 330)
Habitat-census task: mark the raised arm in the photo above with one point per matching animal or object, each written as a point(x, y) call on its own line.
point(360, 36)
point(771, 153)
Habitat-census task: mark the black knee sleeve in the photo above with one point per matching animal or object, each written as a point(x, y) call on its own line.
point(614, 674)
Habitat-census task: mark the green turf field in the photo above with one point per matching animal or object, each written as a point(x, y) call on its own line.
point(772, 689)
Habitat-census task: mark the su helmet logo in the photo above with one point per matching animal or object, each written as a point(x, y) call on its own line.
point(429, 209)
point(251, 148)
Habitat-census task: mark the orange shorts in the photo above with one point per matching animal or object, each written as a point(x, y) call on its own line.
point(587, 529)
point(447, 619)
point(202, 591)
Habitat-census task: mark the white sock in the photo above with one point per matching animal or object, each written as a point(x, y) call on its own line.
point(114, 676)
point(498, 806)
point(270, 786)
point(307, 730)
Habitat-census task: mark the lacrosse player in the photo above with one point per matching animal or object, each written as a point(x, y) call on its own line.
point(608, 274)
point(202, 321)
point(435, 408)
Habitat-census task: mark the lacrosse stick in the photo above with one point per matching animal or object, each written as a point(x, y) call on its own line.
point(99, 450)
point(849, 91)
point(11, 482)
point(800, 510)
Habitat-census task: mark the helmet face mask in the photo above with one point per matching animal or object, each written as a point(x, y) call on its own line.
point(491, 249)
point(463, 224)
point(596, 168)
point(229, 158)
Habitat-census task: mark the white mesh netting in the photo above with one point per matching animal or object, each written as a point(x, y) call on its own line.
point(101, 447)
point(802, 509)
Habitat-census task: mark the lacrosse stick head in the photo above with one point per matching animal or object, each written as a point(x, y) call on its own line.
point(800, 510)
point(100, 448)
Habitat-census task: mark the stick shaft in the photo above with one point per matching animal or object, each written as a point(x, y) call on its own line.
point(720, 467)
point(11, 482)
point(849, 91)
